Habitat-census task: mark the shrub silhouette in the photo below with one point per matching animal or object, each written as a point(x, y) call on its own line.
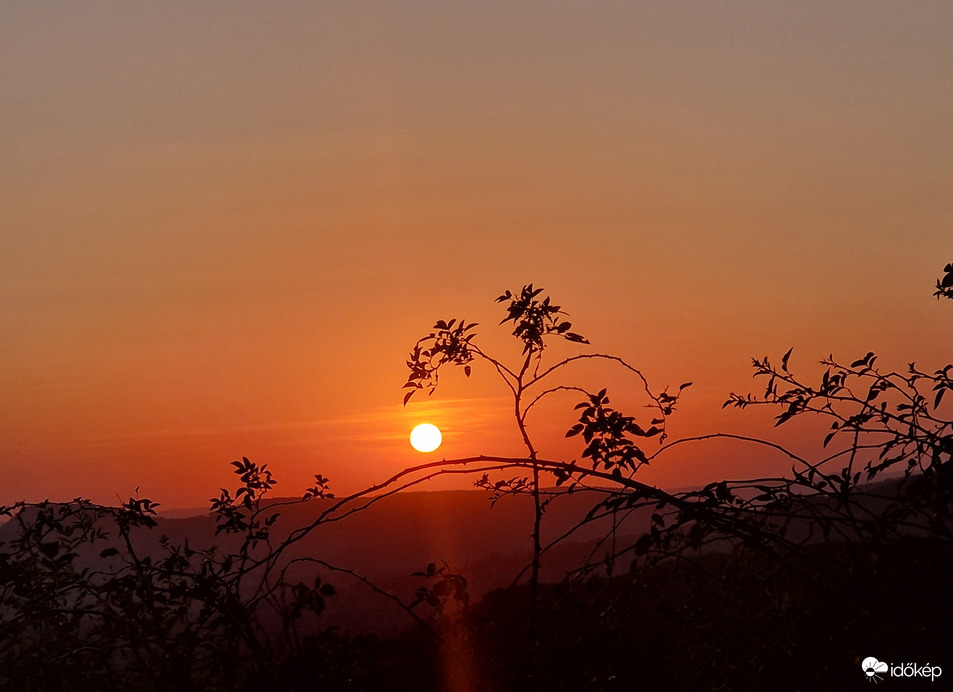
point(81, 607)
point(771, 582)
point(773, 562)
point(608, 434)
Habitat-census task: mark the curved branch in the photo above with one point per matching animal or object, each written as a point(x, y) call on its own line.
point(368, 583)
point(731, 436)
point(585, 356)
point(567, 388)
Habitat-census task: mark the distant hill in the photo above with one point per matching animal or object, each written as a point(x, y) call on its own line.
point(401, 534)
point(398, 535)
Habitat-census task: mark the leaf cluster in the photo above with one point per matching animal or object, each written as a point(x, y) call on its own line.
point(886, 417)
point(608, 435)
point(445, 588)
point(242, 514)
point(534, 319)
point(944, 285)
point(309, 598)
point(448, 344)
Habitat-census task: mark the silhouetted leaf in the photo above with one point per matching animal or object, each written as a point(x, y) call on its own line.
point(784, 359)
point(643, 544)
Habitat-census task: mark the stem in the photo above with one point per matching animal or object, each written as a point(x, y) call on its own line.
point(537, 505)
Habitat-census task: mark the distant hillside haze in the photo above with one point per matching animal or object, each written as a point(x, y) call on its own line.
point(395, 536)
point(398, 535)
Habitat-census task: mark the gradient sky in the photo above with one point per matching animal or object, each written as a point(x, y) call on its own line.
point(223, 225)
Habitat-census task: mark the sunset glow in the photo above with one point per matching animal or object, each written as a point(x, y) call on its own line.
point(458, 346)
point(221, 234)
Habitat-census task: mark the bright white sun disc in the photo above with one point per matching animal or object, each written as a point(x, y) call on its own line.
point(425, 437)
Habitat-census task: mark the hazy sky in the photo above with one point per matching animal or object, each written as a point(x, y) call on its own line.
point(223, 225)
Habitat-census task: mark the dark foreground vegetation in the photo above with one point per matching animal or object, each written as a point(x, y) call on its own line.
point(786, 582)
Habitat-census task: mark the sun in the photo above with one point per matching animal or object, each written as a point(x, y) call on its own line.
point(425, 437)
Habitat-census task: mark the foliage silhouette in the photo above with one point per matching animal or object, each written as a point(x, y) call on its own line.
point(725, 588)
point(608, 434)
point(82, 607)
point(803, 538)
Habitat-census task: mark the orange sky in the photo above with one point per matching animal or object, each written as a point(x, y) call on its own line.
point(223, 225)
